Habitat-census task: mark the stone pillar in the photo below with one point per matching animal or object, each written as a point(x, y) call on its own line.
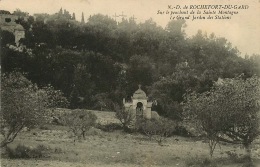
point(149, 110)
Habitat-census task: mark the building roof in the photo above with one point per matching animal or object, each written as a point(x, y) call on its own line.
point(5, 12)
point(19, 27)
point(139, 94)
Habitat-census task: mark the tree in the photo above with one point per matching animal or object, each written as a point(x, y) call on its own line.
point(100, 29)
point(201, 110)
point(254, 64)
point(79, 122)
point(140, 71)
point(83, 87)
point(228, 112)
point(23, 105)
point(146, 38)
point(175, 29)
point(102, 102)
point(243, 102)
point(168, 91)
point(20, 13)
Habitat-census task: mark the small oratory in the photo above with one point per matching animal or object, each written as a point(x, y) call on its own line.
point(139, 105)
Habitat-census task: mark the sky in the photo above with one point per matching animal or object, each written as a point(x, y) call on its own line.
point(242, 30)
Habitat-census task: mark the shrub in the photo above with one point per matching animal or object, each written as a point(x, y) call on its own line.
point(181, 131)
point(22, 151)
point(158, 129)
point(109, 127)
point(248, 163)
point(125, 116)
point(234, 157)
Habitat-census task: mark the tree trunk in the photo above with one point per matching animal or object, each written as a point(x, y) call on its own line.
point(3, 144)
point(212, 146)
point(10, 137)
point(83, 135)
point(248, 150)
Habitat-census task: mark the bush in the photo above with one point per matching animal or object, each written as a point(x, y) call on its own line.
point(125, 116)
point(234, 157)
point(109, 127)
point(158, 129)
point(248, 164)
point(22, 151)
point(181, 131)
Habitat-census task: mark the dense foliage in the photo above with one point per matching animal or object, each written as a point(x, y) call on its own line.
point(97, 63)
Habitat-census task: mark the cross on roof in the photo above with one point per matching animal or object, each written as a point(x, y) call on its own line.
point(115, 16)
point(133, 17)
point(122, 15)
point(139, 86)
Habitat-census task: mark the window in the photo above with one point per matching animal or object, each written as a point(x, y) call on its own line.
point(8, 20)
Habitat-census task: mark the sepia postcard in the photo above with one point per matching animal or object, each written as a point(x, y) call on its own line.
point(149, 83)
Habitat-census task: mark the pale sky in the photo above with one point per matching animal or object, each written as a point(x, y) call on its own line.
point(242, 30)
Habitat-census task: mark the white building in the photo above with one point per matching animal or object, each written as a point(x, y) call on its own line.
point(139, 105)
point(8, 23)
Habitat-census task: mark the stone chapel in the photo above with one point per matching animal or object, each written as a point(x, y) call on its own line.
point(139, 105)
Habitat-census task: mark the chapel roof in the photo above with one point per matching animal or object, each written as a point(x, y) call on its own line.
point(139, 94)
point(19, 27)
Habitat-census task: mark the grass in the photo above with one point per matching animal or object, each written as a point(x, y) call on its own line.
point(118, 148)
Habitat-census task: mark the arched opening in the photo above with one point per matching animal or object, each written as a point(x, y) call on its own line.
point(139, 110)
